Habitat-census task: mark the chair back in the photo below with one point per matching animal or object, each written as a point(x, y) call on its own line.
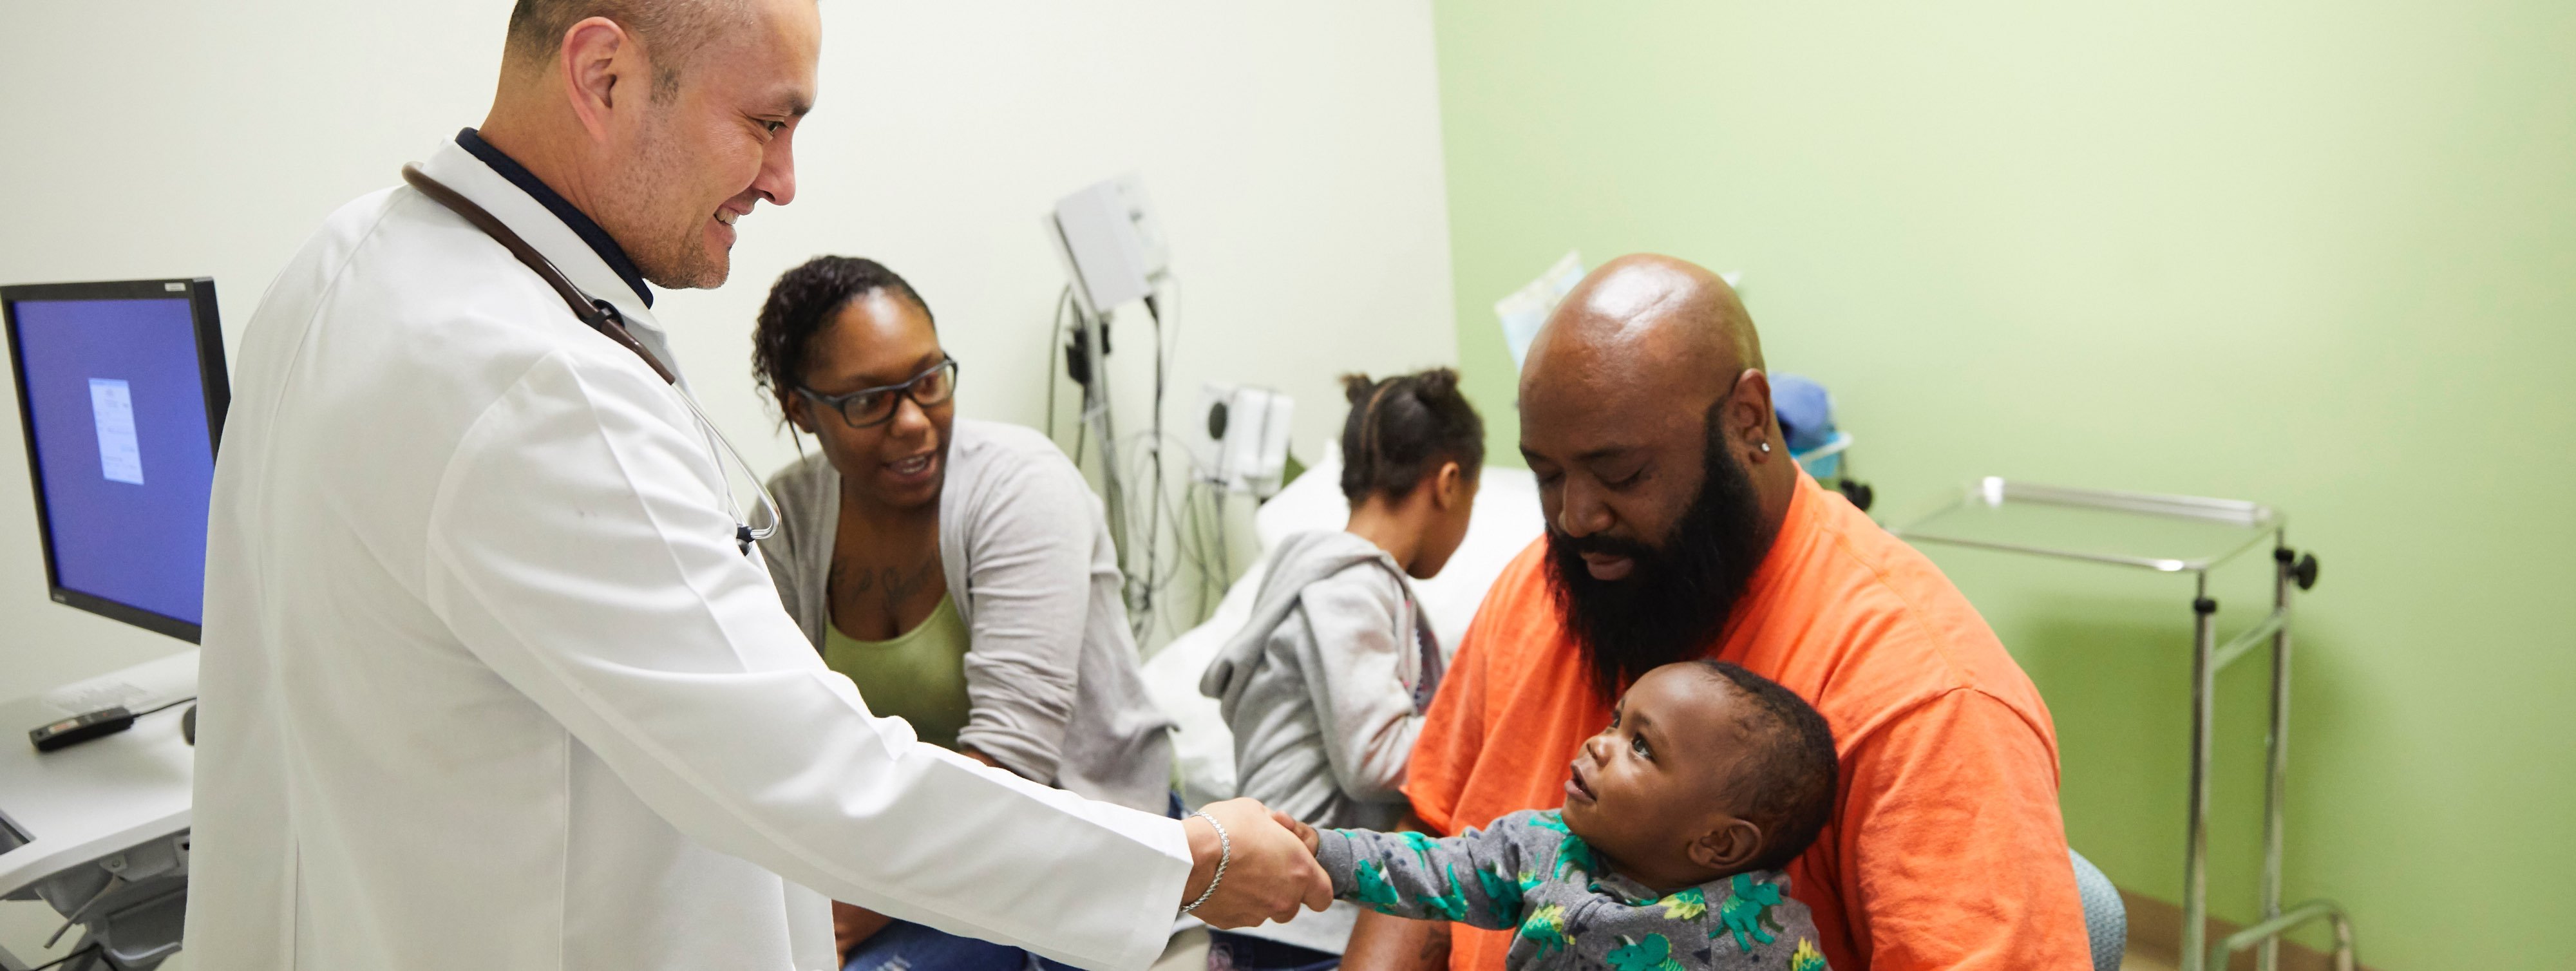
point(2106, 919)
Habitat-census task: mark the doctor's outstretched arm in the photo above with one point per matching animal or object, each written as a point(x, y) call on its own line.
point(581, 548)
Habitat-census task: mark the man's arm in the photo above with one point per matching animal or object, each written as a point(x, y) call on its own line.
point(1961, 784)
point(1383, 943)
point(1444, 754)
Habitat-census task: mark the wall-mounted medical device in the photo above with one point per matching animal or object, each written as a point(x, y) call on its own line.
point(1111, 246)
point(1113, 255)
point(1239, 437)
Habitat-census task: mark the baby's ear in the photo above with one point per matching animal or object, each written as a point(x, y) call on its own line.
point(1727, 847)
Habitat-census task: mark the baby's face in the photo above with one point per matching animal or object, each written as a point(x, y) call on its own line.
point(1653, 784)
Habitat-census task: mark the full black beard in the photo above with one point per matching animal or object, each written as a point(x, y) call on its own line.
point(1676, 601)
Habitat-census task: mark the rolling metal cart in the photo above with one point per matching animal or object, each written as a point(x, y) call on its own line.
point(2174, 534)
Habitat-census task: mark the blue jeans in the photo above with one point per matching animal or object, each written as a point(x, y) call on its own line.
point(1237, 952)
point(906, 946)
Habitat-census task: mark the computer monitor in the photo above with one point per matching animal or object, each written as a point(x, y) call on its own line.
point(121, 390)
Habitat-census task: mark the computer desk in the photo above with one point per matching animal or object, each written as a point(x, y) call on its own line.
point(112, 806)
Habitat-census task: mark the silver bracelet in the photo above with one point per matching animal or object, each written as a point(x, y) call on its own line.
point(1224, 855)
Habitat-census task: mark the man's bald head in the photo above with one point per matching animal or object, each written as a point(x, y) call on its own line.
point(1647, 418)
point(1649, 320)
point(671, 29)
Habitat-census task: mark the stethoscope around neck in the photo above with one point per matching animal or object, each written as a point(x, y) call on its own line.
point(603, 317)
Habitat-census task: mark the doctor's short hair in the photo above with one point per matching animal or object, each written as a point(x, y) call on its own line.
point(802, 303)
point(672, 31)
point(1787, 782)
point(1402, 428)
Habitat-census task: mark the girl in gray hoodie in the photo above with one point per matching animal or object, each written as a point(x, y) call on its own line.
point(1325, 687)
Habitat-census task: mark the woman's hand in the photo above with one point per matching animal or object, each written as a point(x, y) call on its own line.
point(852, 925)
point(1270, 871)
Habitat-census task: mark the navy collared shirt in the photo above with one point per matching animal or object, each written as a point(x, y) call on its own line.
point(607, 248)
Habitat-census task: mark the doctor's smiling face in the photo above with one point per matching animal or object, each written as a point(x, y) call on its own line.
point(685, 116)
point(711, 150)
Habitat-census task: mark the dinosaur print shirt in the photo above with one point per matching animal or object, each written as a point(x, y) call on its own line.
point(1527, 874)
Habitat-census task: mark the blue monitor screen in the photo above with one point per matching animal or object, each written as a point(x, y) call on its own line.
point(117, 406)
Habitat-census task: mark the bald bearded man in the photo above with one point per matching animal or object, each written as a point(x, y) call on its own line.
point(1678, 527)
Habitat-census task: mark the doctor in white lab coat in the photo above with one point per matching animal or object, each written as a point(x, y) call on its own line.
point(488, 681)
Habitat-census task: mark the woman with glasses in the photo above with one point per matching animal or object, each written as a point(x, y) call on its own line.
point(959, 571)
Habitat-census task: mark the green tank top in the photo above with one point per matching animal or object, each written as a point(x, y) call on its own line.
point(920, 676)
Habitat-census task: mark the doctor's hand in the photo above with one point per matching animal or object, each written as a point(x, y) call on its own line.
point(1269, 873)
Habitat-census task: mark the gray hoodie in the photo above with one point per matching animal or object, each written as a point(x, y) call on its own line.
point(1324, 689)
point(1325, 685)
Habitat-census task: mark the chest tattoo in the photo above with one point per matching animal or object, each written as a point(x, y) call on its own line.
point(892, 585)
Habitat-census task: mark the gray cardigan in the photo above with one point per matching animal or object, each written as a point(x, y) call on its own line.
point(1052, 679)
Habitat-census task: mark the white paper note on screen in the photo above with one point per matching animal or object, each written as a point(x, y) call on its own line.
point(120, 455)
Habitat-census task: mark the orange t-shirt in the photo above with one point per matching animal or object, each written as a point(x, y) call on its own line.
point(1946, 850)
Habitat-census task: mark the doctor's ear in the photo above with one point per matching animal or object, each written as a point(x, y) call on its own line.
point(591, 65)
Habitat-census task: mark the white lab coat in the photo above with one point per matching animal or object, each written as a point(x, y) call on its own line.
point(487, 683)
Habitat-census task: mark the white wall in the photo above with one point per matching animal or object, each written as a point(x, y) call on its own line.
point(1292, 150)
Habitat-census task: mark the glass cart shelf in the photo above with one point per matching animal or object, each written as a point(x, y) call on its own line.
point(2166, 533)
point(2173, 534)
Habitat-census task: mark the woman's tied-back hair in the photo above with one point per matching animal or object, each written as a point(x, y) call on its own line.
point(801, 304)
point(1401, 429)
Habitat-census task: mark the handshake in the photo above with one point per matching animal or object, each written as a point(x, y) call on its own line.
point(1270, 867)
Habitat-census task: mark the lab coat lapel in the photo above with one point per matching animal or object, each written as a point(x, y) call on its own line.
point(458, 169)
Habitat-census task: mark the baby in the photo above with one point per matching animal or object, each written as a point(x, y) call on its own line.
point(1667, 854)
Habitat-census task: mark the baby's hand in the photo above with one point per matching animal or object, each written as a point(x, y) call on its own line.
point(1303, 832)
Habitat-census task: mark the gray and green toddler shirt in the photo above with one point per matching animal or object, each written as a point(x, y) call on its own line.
point(1528, 874)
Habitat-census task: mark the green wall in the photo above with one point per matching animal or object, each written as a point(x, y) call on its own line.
point(2321, 255)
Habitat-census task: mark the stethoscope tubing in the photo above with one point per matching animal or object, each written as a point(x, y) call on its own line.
point(603, 317)
point(768, 503)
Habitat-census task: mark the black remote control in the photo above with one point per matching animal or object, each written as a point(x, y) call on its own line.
point(81, 728)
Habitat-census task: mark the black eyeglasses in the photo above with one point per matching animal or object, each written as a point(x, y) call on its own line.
point(868, 407)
